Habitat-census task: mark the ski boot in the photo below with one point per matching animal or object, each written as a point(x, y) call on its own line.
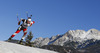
point(21, 42)
point(9, 39)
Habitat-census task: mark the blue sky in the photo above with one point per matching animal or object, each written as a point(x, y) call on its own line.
point(51, 17)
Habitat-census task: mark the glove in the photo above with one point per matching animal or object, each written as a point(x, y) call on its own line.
point(33, 22)
point(18, 23)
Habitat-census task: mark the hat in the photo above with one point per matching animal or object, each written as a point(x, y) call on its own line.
point(29, 19)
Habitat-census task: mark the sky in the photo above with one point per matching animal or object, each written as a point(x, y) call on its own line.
point(51, 17)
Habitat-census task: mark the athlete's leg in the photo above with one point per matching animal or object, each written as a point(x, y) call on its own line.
point(25, 32)
point(18, 30)
point(15, 33)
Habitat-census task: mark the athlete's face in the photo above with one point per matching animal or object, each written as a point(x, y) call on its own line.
point(28, 22)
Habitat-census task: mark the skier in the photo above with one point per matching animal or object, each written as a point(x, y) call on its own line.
point(23, 27)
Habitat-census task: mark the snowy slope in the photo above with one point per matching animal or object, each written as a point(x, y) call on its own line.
point(6, 47)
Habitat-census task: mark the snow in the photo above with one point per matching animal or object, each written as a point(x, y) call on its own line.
point(81, 35)
point(6, 47)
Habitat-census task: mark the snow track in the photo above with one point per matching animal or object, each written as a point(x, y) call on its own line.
point(6, 47)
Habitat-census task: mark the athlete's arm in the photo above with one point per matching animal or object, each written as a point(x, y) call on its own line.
point(32, 23)
point(20, 21)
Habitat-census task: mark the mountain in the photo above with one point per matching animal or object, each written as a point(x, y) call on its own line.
point(7, 47)
point(77, 37)
point(73, 41)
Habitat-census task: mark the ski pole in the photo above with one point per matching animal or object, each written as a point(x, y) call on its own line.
point(17, 18)
point(27, 13)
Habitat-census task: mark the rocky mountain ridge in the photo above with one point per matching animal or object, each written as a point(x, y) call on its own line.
point(79, 36)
